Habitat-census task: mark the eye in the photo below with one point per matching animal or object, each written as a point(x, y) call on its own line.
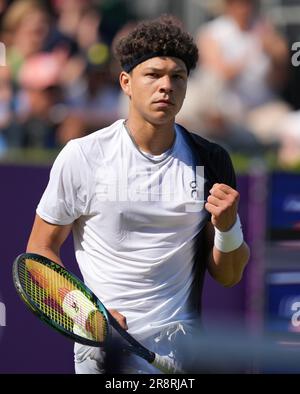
point(152, 75)
point(178, 76)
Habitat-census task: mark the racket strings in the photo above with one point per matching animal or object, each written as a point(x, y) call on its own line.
point(42, 298)
point(59, 297)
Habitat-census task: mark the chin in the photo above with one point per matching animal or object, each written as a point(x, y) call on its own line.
point(162, 118)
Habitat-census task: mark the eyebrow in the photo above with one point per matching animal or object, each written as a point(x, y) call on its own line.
point(155, 69)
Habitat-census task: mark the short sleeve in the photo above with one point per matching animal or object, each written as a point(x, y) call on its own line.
point(64, 198)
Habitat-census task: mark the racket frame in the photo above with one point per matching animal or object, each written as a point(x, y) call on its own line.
point(134, 346)
point(42, 316)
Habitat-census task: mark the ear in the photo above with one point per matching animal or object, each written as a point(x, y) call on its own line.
point(125, 82)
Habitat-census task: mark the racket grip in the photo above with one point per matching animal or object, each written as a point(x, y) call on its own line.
point(166, 365)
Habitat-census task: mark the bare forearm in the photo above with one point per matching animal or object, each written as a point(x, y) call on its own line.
point(44, 251)
point(46, 239)
point(227, 268)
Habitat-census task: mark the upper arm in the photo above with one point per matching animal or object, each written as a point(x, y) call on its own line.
point(63, 201)
point(46, 238)
point(66, 195)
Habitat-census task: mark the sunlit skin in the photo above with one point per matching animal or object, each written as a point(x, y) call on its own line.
point(156, 89)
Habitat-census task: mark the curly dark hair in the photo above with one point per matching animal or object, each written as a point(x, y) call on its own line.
point(163, 36)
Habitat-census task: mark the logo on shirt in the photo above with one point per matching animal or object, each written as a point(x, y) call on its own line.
point(194, 190)
point(197, 192)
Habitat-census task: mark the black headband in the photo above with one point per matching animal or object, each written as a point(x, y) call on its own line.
point(140, 59)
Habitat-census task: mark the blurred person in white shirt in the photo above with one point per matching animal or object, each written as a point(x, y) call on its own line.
point(243, 66)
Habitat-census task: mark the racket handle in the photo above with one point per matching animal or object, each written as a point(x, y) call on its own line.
point(166, 365)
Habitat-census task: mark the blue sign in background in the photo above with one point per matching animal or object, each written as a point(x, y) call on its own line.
point(282, 293)
point(284, 207)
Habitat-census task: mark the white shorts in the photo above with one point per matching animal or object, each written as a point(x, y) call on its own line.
point(169, 342)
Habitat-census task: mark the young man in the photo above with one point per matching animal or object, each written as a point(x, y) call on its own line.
point(142, 212)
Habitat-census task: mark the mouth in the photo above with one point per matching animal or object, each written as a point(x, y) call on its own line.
point(164, 102)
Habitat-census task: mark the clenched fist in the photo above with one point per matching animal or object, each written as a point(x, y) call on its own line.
point(222, 204)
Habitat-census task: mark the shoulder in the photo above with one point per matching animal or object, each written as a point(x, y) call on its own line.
point(100, 136)
point(83, 152)
point(93, 146)
point(212, 149)
point(204, 146)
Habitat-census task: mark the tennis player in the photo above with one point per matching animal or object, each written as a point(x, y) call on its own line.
point(151, 205)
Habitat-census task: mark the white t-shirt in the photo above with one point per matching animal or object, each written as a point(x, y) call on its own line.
point(236, 45)
point(134, 223)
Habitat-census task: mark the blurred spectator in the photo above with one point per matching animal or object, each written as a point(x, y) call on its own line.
point(123, 102)
point(26, 25)
point(39, 103)
point(289, 131)
point(6, 113)
point(57, 84)
point(75, 28)
point(115, 15)
point(3, 7)
point(243, 66)
point(94, 98)
point(207, 112)
point(69, 14)
point(91, 93)
point(88, 28)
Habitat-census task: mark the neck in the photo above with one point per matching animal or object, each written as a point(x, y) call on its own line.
point(150, 138)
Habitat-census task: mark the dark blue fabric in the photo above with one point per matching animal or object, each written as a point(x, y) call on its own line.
point(218, 168)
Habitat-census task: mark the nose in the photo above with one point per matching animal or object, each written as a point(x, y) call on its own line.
point(166, 85)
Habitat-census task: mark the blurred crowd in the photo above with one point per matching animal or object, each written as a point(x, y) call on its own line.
point(236, 92)
point(61, 80)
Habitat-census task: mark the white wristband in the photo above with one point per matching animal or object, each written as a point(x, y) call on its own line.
point(231, 240)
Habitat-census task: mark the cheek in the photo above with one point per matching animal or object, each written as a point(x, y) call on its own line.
point(145, 89)
point(183, 87)
point(181, 92)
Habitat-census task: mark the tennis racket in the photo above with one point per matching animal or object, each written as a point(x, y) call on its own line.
point(66, 304)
